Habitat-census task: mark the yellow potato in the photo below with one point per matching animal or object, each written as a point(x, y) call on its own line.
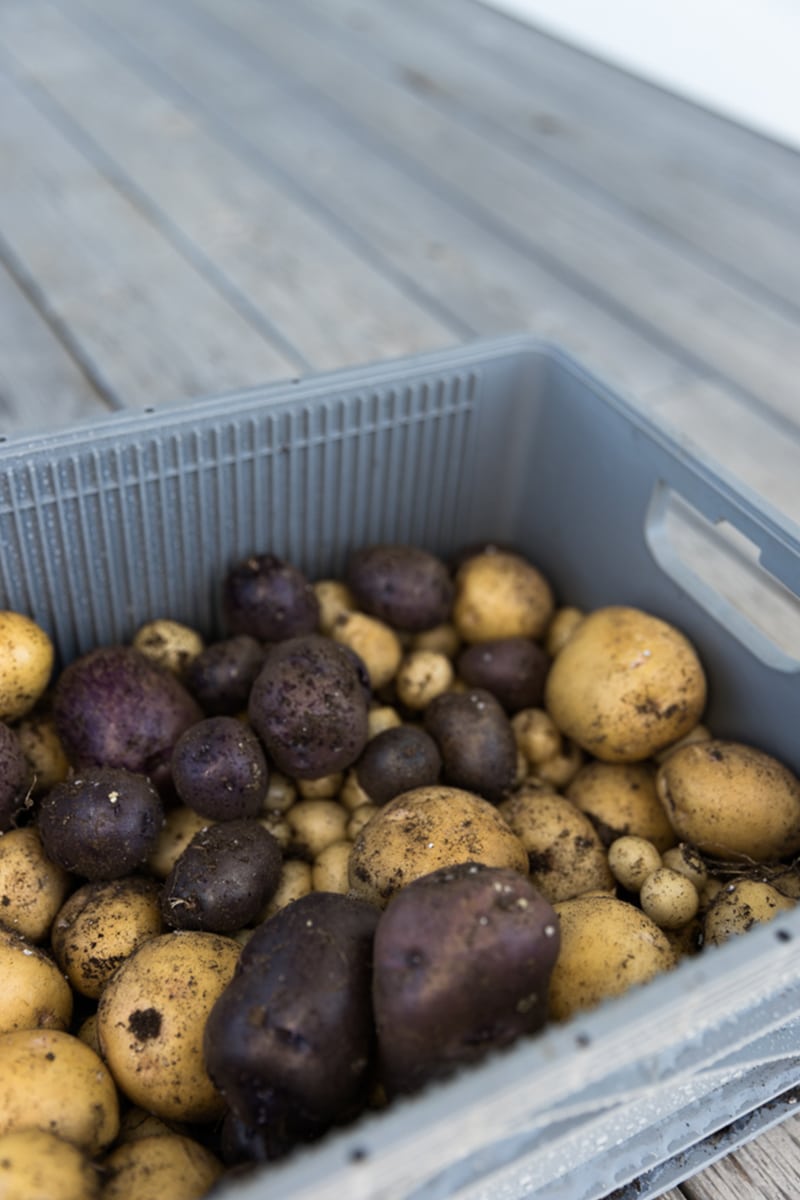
point(741, 905)
point(632, 859)
point(169, 644)
point(35, 993)
point(295, 881)
point(330, 872)
point(32, 888)
point(315, 824)
point(26, 664)
point(375, 643)
point(625, 685)
point(498, 595)
point(565, 855)
point(621, 799)
point(43, 749)
point(37, 1165)
point(163, 1164)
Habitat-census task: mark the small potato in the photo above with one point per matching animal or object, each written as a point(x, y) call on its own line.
point(382, 717)
point(330, 871)
point(396, 761)
point(327, 787)
point(427, 828)
point(87, 1032)
point(180, 825)
point(442, 639)
point(476, 742)
point(499, 594)
point(268, 599)
point(276, 824)
point(169, 644)
point(405, 586)
point(565, 856)
point(315, 824)
point(669, 899)
point(741, 905)
point(32, 888)
point(359, 818)
point(421, 677)
point(625, 685)
point(375, 643)
point(513, 669)
point(53, 1081)
point(26, 664)
point(537, 735)
point(221, 675)
point(38, 1165)
point(160, 1165)
point(731, 801)
point(334, 599)
point(561, 628)
point(687, 861)
point(42, 747)
point(35, 993)
point(621, 800)
point(16, 779)
point(607, 947)
point(352, 795)
point(295, 881)
point(281, 793)
point(631, 859)
point(151, 1018)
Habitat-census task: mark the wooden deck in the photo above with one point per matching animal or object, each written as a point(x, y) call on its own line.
point(197, 195)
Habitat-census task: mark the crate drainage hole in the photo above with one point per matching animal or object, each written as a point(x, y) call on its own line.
point(358, 1154)
point(582, 1039)
point(783, 935)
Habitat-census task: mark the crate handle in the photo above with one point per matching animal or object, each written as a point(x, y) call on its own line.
point(720, 566)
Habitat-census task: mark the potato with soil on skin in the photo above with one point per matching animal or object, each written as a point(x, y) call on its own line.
point(607, 947)
point(269, 599)
point(513, 669)
point(309, 707)
point(406, 586)
point(223, 879)
point(499, 594)
point(739, 906)
point(165, 1164)
point(180, 825)
point(38, 1165)
point(100, 925)
point(221, 675)
point(32, 886)
point(424, 829)
point(621, 800)
point(35, 993)
point(398, 760)
point(114, 708)
point(290, 1042)
point(476, 741)
point(219, 769)
point(462, 963)
point(101, 824)
point(42, 748)
point(731, 801)
point(565, 855)
point(151, 1018)
point(26, 664)
point(168, 644)
point(375, 643)
point(625, 685)
point(16, 779)
point(53, 1081)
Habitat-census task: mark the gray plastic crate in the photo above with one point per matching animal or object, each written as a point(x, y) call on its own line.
point(107, 525)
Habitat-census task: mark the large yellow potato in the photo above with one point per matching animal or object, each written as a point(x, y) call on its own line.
point(621, 799)
point(32, 887)
point(498, 595)
point(625, 685)
point(37, 1165)
point(739, 907)
point(163, 1164)
point(26, 664)
point(565, 855)
point(35, 993)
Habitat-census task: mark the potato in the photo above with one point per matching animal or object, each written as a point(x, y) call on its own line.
point(565, 855)
point(180, 825)
point(333, 598)
point(26, 664)
point(437, 1007)
point(621, 799)
point(476, 742)
point(562, 625)
point(168, 644)
point(32, 887)
point(43, 750)
point(164, 1164)
point(53, 1081)
point(330, 871)
point(296, 880)
point(151, 1018)
point(375, 643)
point(499, 594)
point(16, 778)
point(513, 669)
point(607, 947)
point(405, 586)
point(625, 685)
point(441, 639)
point(315, 824)
point(289, 1042)
point(397, 760)
point(741, 905)
point(268, 599)
point(35, 993)
point(100, 925)
point(632, 859)
point(427, 828)
point(221, 675)
point(731, 801)
point(309, 706)
point(669, 898)
point(326, 787)
point(38, 1165)
point(219, 769)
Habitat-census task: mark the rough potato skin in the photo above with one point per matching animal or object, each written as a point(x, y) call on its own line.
point(462, 964)
point(219, 769)
point(309, 707)
point(476, 742)
point(269, 599)
point(513, 669)
point(405, 586)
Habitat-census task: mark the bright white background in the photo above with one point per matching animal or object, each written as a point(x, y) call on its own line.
point(738, 57)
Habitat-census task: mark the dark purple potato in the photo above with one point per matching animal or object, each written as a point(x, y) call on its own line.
point(101, 824)
point(309, 707)
point(462, 962)
point(219, 769)
point(269, 599)
point(221, 675)
point(113, 707)
point(222, 880)
point(396, 761)
point(404, 586)
point(512, 669)
point(15, 779)
point(290, 1042)
point(476, 742)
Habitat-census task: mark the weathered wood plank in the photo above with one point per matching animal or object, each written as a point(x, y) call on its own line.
point(155, 327)
point(41, 385)
point(672, 297)
point(288, 263)
point(767, 1168)
point(470, 271)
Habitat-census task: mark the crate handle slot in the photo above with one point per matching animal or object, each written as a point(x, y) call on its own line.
point(721, 567)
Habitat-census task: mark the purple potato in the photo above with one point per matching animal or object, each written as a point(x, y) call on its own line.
point(101, 824)
point(269, 599)
point(114, 707)
point(219, 769)
point(221, 675)
point(476, 742)
point(223, 878)
point(405, 586)
point(513, 669)
point(462, 963)
point(397, 760)
point(16, 779)
point(309, 707)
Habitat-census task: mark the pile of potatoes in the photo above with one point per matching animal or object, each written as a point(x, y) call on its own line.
point(252, 886)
